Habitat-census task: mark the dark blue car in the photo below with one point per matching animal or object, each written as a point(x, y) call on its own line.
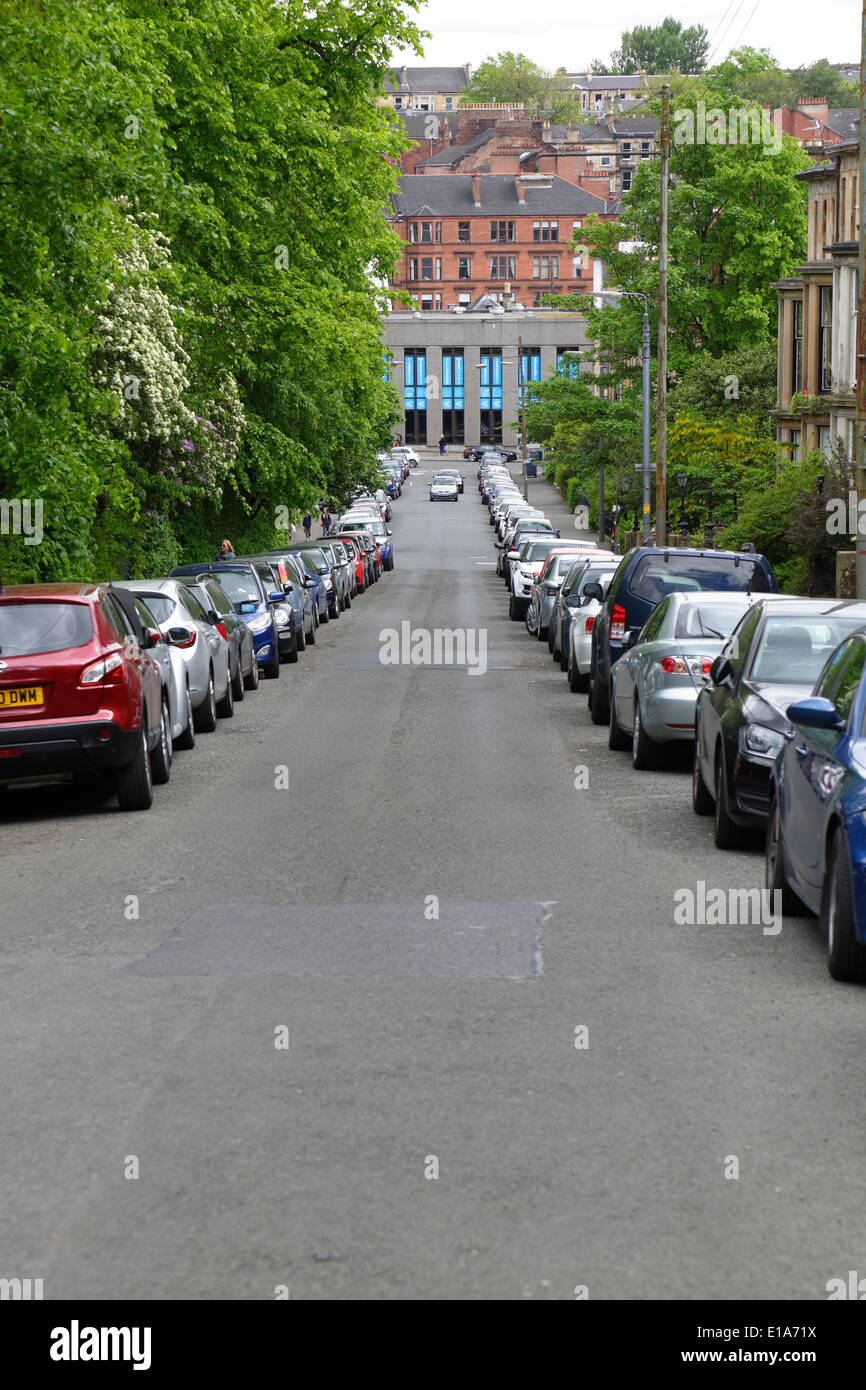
point(816, 834)
point(251, 602)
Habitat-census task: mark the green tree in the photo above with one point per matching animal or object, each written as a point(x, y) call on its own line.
point(665, 47)
point(822, 79)
point(508, 77)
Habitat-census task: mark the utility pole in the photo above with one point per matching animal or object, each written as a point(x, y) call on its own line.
point(602, 539)
point(662, 348)
point(860, 442)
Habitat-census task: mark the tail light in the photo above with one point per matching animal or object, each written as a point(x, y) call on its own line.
point(221, 629)
point(698, 665)
point(109, 670)
point(617, 624)
point(589, 623)
point(672, 665)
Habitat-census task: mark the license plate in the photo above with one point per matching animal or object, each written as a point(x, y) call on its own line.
point(24, 697)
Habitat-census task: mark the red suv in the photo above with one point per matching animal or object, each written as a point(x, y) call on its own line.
point(78, 694)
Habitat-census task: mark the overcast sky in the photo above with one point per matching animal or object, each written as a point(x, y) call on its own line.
point(559, 34)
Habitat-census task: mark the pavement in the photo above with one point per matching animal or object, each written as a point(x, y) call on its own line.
point(422, 1026)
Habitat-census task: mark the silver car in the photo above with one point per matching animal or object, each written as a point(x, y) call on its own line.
point(204, 650)
point(655, 683)
point(152, 609)
point(584, 611)
point(548, 583)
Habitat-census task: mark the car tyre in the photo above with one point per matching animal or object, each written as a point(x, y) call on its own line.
point(617, 736)
point(726, 832)
point(702, 797)
point(251, 681)
point(134, 782)
point(205, 717)
point(226, 706)
point(301, 638)
point(160, 758)
point(272, 669)
point(513, 614)
point(311, 635)
point(238, 681)
point(775, 878)
point(292, 656)
point(645, 754)
point(599, 709)
point(186, 739)
point(846, 955)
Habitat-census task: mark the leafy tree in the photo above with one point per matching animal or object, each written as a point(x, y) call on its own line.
point(665, 47)
point(821, 79)
point(508, 77)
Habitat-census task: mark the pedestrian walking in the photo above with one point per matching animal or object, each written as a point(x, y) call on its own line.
point(307, 525)
point(443, 445)
point(226, 551)
point(326, 521)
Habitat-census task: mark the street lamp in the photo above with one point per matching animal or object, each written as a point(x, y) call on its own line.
point(710, 529)
point(682, 479)
point(645, 391)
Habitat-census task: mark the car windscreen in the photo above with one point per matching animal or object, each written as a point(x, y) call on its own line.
point(708, 619)
point(241, 588)
point(27, 629)
point(443, 478)
point(535, 550)
point(791, 650)
point(597, 576)
point(656, 576)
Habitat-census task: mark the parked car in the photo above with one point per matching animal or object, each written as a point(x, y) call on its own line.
point(443, 488)
point(474, 452)
point(315, 582)
point(326, 568)
point(816, 826)
point(252, 602)
point(343, 569)
point(205, 651)
point(243, 666)
point(509, 548)
point(452, 473)
point(655, 684)
point(405, 452)
point(362, 561)
point(153, 610)
point(299, 595)
point(577, 611)
point(645, 576)
point(772, 659)
point(79, 696)
point(547, 584)
point(378, 530)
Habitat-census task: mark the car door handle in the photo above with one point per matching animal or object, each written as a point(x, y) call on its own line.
point(801, 750)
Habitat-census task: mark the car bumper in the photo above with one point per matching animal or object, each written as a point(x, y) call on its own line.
point(751, 790)
point(669, 715)
point(59, 750)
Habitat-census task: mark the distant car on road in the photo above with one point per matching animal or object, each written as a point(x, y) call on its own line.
point(443, 488)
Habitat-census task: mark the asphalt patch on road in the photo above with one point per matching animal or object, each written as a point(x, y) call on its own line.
point(484, 941)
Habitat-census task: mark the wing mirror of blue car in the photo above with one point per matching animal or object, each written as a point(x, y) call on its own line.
point(816, 713)
point(179, 636)
point(276, 597)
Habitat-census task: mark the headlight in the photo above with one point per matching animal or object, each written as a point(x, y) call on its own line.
point(757, 739)
point(282, 616)
point(259, 624)
point(328, 582)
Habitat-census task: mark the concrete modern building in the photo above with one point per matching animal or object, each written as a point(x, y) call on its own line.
point(816, 369)
point(458, 373)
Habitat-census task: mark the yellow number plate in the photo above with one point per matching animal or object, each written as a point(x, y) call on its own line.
point(24, 697)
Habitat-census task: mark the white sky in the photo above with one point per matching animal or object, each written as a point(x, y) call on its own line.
point(560, 34)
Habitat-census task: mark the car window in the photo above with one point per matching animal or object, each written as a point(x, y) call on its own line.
point(737, 648)
point(828, 680)
point(146, 618)
point(240, 587)
point(191, 603)
point(655, 576)
point(716, 620)
point(160, 606)
point(653, 624)
point(121, 623)
point(793, 649)
point(219, 599)
point(849, 678)
point(27, 629)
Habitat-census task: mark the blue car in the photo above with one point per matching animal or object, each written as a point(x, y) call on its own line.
point(315, 583)
point(251, 602)
point(816, 833)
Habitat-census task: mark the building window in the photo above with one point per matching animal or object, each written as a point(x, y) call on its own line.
point(501, 231)
point(825, 340)
point(463, 231)
point(797, 366)
point(415, 395)
point(567, 363)
point(438, 300)
point(576, 267)
point(545, 267)
point(426, 267)
point(426, 231)
point(576, 226)
point(413, 232)
point(644, 144)
point(413, 268)
point(464, 299)
point(463, 268)
point(605, 160)
point(424, 103)
point(398, 103)
point(491, 395)
point(449, 103)
point(545, 231)
point(530, 370)
point(453, 395)
point(824, 440)
point(426, 302)
point(795, 446)
point(626, 180)
point(626, 146)
point(438, 231)
point(438, 267)
point(502, 267)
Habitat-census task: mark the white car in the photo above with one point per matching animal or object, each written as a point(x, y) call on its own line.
point(582, 621)
point(443, 488)
point(408, 454)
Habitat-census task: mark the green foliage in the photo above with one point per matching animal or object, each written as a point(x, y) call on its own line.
point(508, 77)
point(190, 234)
point(658, 48)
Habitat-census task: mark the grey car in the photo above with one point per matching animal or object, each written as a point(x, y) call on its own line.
point(204, 650)
point(243, 666)
point(172, 668)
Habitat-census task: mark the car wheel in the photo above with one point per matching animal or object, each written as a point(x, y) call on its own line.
point(252, 680)
point(726, 832)
point(292, 656)
point(134, 782)
point(512, 609)
point(334, 610)
point(272, 669)
point(226, 706)
point(599, 710)
point(238, 681)
point(529, 620)
point(205, 717)
point(186, 739)
point(617, 736)
point(301, 638)
point(702, 797)
point(541, 632)
point(348, 601)
point(775, 878)
point(325, 617)
point(846, 955)
point(311, 635)
point(645, 754)
point(160, 758)
point(576, 682)
point(551, 642)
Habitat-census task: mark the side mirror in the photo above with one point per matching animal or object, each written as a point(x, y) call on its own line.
point(309, 582)
point(212, 616)
point(816, 713)
point(276, 597)
point(388, 529)
point(630, 636)
point(595, 591)
point(721, 671)
point(151, 638)
point(179, 636)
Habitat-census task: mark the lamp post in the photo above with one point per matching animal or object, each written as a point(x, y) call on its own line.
point(709, 531)
point(681, 484)
point(645, 393)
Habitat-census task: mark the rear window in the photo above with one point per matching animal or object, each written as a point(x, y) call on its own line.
point(708, 619)
point(27, 629)
point(654, 577)
point(241, 588)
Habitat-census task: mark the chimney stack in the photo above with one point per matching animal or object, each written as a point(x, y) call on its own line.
point(520, 190)
point(476, 190)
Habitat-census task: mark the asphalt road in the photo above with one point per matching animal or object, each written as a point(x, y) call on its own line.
point(413, 1037)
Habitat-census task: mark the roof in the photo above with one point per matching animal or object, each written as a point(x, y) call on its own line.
point(423, 81)
point(452, 154)
point(845, 120)
point(607, 83)
point(450, 195)
point(50, 590)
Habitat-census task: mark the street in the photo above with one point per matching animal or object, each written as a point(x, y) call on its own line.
point(507, 1073)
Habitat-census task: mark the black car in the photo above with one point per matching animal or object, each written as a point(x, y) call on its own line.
point(473, 452)
point(645, 576)
point(243, 666)
point(772, 659)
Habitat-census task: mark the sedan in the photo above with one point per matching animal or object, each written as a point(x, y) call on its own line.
point(772, 658)
point(452, 473)
point(378, 530)
point(578, 608)
point(444, 488)
point(203, 648)
point(547, 585)
point(816, 827)
point(242, 650)
point(654, 686)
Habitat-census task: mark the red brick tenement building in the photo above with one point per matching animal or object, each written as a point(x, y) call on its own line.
point(474, 234)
